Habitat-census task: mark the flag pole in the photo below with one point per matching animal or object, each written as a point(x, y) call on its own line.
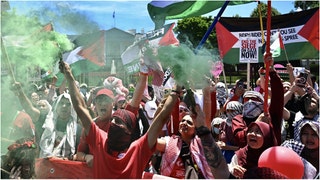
point(114, 18)
point(285, 52)
point(261, 24)
point(205, 37)
point(225, 80)
point(267, 61)
point(7, 60)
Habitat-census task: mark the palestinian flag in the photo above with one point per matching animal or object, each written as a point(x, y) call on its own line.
point(299, 32)
point(160, 11)
point(87, 58)
point(160, 37)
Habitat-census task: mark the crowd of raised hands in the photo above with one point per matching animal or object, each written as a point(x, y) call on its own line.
point(133, 132)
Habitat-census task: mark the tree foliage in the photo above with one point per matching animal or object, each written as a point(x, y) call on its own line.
point(191, 30)
point(264, 9)
point(304, 5)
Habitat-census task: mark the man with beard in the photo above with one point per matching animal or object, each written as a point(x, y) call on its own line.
point(118, 153)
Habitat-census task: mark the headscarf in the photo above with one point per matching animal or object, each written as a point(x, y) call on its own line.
point(237, 108)
point(49, 134)
point(120, 138)
point(221, 93)
point(248, 157)
point(311, 155)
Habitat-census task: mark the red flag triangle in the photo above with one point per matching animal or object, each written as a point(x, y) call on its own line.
point(95, 51)
point(169, 38)
point(310, 30)
point(225, 39)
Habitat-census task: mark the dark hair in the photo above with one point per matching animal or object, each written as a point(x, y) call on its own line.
point(23, 150)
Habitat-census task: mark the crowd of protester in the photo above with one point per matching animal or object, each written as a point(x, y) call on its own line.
point(124, 132)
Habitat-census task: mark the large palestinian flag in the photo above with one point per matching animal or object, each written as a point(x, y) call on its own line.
point(241, 38)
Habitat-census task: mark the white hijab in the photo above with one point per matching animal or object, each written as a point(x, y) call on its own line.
point(49, 134)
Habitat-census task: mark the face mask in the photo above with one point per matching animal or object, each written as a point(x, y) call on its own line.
point(229, 119)
point(118, 139)
point(216, 130)
point(252, 109)
point(231, 115)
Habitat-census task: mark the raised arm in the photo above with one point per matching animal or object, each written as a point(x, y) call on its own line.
point(161, 119)
point(207, 103)
point(212, 152)
point(26, 103)
point(277, 103)
point(78, 102)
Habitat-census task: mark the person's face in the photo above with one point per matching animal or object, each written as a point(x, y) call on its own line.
point(309, 137)
point(254, 137)
point(183, 111)
point(43, 107)
point(104, 106)
point(34, 98)
point(286, 88)
point(187, 127)
point(64, 109)
point(246, 99)
point(119, 123)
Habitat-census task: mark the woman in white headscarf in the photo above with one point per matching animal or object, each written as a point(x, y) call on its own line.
point(60, 129)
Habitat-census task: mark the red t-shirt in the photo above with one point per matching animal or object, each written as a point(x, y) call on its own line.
point(83, 146)
point(102, 124)
point(131, 165)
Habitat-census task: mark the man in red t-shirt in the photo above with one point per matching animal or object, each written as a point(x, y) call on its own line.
point(117, 154)
point(104, 100)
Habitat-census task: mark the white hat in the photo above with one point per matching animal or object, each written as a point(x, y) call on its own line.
point(255, 94)
point(150, 107)
point(217, 120)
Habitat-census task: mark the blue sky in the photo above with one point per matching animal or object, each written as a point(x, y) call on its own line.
point(132, 14)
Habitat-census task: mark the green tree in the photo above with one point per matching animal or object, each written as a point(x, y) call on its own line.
point(191, 30)
point(304, 5)
point(264, 8)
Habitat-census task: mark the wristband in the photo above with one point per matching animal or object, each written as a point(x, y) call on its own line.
point(202, 130)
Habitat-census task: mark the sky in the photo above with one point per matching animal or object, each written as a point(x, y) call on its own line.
point(130, 14)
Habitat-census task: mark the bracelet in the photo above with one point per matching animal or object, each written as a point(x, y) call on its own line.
point(202, 130)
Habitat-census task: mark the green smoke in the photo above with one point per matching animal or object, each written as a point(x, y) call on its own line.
point(27, 48)
point(185, 63)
